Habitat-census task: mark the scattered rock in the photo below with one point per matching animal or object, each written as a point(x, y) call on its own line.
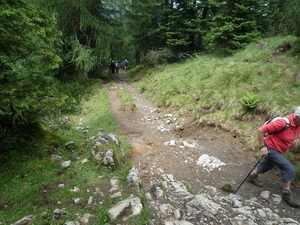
point(209, 163)
point(66, 164)
point(134, 178)
point(58, 213)
point(25, 220)
point(108, 158)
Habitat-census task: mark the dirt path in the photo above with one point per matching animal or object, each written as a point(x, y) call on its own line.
point(158, 145)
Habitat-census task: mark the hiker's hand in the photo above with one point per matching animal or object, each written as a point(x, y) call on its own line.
point(264, 150)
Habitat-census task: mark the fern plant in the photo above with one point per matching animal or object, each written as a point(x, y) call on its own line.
point(250, 101)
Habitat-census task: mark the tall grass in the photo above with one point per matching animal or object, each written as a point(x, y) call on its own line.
point(212, 88)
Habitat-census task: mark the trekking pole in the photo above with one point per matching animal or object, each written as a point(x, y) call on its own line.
point(248, 175)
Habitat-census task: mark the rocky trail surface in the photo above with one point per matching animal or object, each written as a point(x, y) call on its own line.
point(204, 157)
point(179, 168)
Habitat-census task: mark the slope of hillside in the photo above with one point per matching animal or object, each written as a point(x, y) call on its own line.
point(165, 144)
point(213, 89)
point(181, 113)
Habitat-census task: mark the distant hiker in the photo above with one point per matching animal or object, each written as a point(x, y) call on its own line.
point(272, 147)
point(109, 66)
point(113, 67)
point(117, 67)
point(126, 64)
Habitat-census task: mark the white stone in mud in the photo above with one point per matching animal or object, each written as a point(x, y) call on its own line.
point(209, 162)
point(276, 198)
point(265, 194)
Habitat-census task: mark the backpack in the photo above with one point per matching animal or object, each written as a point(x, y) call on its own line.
point(287, 125)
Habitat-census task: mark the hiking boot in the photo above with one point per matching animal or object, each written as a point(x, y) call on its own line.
point(289, 199)
point(253, 179)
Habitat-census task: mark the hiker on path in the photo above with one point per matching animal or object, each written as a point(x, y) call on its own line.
point(112, 67)
point(126, 64)
point(117, 67)
point(110, 62)
point(272, 147)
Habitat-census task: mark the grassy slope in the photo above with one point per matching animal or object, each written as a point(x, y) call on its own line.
point(211, 88)
point(207, 88)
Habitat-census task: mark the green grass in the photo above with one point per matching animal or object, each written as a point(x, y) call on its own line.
point(29, 180)
point(127, 100)
point(206, 87)
point(212, 88)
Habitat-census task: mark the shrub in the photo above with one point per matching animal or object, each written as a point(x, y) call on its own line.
point(250, 101)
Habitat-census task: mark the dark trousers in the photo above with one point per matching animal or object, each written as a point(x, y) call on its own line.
point(273, 159)
point(112, 70)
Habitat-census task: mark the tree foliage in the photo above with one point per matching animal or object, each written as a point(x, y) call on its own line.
point(192, 26)
point(235, 25)
point(29, 43)
point(290, 21)
point(88, 31)
point(57, 39)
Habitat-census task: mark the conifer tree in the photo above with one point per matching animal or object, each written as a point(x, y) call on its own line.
point(290, 20)
point(28, 54)
point(87, 28)
point(235, 24)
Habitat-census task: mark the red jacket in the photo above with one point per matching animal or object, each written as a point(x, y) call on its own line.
point(281, 141)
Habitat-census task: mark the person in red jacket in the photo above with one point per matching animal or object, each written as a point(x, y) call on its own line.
point(272, 147)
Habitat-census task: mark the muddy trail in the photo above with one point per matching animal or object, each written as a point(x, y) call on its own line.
point(161, 142)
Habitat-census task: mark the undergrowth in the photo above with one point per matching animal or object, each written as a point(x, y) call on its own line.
point(32, 183)
point(206, 88)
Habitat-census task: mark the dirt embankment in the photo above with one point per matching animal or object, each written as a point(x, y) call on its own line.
point(158, 143)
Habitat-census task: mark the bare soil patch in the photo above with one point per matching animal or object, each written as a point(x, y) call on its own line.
point(150, 136)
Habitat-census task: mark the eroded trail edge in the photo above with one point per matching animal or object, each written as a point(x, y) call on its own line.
point(164, 144)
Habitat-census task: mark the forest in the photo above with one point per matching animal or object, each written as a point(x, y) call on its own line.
point(50, 49)
point(54, 55)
